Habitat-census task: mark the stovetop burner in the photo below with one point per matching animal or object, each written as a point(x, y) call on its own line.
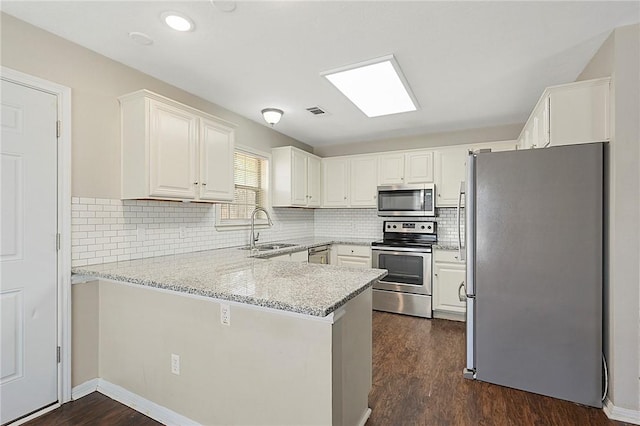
point(407, 234)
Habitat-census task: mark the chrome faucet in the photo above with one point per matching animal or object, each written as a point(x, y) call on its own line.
point(253, 238)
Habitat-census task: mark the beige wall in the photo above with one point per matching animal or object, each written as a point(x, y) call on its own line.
point(96, 82)
point(488, 134)
point(619, 57)
point(84, 331)
point(265, 368)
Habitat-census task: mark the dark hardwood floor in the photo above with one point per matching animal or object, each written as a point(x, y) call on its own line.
point(94, 409)
point(417, 380)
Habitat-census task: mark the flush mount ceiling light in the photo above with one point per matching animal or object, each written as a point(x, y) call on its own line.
point(178, 21)
point(272, 115)
point(377, 87)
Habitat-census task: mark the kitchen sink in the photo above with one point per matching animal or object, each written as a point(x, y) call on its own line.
point(270, 246)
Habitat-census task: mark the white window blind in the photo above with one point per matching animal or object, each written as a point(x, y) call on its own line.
point(249, 193)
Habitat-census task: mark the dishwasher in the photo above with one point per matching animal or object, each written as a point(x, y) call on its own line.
point(319, 255)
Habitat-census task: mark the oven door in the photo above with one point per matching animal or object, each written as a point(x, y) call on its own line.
point(409, 269)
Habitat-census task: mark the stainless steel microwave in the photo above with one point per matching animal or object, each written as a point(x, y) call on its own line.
point(407, 200)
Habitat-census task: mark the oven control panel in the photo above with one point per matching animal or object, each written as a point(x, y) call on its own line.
point(405, 227)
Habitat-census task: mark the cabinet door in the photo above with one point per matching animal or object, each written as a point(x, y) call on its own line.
point(540, 126)
point(579, 114)
point(216, 161)
point(313, 181)
point(364, 175)
point(298, 178)
point(172, 162)
point(450, 171)
point(358, 262)
point(419, 167)
point(391, 169)
point(335, 178)
point(446, 282)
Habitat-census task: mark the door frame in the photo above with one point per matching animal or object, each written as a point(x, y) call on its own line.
point(63, 95)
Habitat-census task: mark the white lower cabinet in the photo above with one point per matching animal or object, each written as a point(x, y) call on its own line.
point(348, 255)
point(448, 275)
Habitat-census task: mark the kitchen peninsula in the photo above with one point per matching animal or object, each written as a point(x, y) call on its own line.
point(297, 349)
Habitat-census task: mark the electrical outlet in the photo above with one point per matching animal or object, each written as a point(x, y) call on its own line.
point(225, 314)
point(183, 232)
point(175, 364)
point(141, 233)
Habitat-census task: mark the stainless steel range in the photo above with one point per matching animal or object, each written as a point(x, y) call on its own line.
point(405, 252)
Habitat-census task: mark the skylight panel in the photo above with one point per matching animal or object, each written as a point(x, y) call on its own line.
point(376, 87)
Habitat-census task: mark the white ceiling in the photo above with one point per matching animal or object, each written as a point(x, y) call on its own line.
point(469, 64)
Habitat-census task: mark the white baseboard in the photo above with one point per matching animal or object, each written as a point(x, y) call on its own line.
point(144, 406)
point(621, 414)
point(84, 389)
point(365, 417)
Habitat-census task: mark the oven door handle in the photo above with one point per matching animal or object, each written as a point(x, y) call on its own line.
point(402, 249)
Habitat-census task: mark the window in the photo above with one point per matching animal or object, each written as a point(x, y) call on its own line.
point(250, 178)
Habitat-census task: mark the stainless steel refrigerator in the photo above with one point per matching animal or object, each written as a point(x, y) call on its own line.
point(534, 255)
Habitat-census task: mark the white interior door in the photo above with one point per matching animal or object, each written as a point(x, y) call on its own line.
point(28, 254)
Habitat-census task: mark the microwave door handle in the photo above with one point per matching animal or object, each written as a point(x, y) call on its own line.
point(422, 195)
point(460, 195)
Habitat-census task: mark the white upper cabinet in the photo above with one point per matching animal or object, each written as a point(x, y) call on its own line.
point(335, 182)
point(171, 151)
point(172, 145)
point(313, 181)
point(405, 168)
point(391, 169)
point(450, 171)
point(299, 196)
point(418, 167)
point(569, 114)
point(364, 176)
point(295, 178)
point(216, 147)
point(350, 181)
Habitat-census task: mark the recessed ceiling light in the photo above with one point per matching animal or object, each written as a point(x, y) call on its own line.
point(178, 21)
point(377, 86)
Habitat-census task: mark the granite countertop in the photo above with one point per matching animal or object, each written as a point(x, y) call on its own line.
point(234, 274)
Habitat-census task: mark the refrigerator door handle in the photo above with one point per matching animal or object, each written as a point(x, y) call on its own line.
point(470, 225)
point(462, 296)
point(461, 252)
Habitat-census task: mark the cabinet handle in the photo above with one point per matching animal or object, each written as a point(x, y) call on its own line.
point(195, 183)
point(345, 198)
point(435, 274)
point(438, 194)
point(204, 183)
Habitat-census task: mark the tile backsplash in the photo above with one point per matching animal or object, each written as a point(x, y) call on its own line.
point(109, 230)
point(358, 223)
point(365, 223)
